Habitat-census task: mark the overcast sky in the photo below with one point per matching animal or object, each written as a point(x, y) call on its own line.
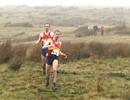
point(98, 3)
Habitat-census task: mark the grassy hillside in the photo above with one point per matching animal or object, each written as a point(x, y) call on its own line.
point(28, 34)
point(87, 79)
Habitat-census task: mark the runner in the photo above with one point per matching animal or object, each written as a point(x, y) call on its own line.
point(102, 29)
point(53, 59)
point(44, 39)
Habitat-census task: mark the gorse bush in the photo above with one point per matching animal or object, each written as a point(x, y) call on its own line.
point(18, 57)
point(5, 51)
point(15, 63)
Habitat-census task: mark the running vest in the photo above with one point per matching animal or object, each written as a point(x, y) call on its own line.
point(56, 49)
point(45, 37)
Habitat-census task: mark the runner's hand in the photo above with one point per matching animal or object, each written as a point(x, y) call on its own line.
point(65, 56)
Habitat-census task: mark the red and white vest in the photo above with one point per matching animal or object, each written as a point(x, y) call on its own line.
point(56, 49)
point(44, 37)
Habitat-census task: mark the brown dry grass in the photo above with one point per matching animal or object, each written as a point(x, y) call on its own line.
point(73, 50)
point(5, 51)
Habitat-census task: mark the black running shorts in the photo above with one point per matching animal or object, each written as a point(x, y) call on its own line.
point(44, 51)
point(51, 58)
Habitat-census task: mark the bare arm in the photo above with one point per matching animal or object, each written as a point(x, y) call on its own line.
point(39, 40)
point(63, 54)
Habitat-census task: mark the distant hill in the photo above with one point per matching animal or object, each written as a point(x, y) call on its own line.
point(63, 16)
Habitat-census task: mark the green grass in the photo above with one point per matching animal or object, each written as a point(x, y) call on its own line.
point(87, 79)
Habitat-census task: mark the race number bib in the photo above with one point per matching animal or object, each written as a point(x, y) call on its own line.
point(56, 52)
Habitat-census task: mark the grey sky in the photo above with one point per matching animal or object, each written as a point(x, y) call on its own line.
point(99, 3)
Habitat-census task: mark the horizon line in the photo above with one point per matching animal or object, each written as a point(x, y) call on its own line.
point(79, 6)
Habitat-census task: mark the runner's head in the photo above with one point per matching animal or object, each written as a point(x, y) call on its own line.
point(46, 27)
point(57, 34)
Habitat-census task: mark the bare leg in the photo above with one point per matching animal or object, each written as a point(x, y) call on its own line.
point(44, 64)
point(47, 74)
point(55, 67)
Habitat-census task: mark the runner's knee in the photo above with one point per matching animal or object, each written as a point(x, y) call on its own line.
point(55, 65)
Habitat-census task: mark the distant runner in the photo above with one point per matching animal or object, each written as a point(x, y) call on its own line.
point(102, 29)
point(53, 59)
point(44, 38)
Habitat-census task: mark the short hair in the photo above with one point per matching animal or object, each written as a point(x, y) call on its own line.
point(57, 31)
point(47, 24)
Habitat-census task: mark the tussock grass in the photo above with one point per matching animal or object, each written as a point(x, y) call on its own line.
point(92, 81)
